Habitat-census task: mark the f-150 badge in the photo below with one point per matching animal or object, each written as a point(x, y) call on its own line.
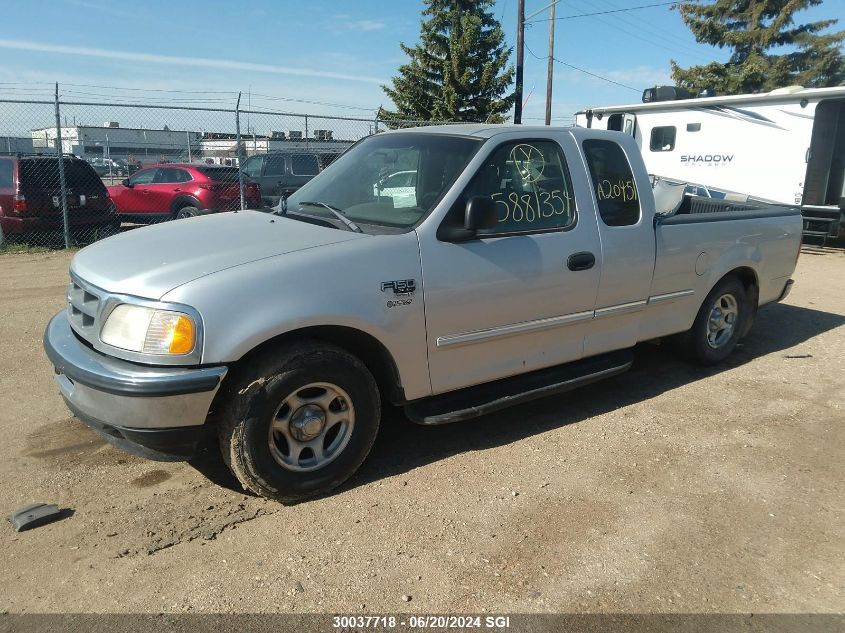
point(400, 286)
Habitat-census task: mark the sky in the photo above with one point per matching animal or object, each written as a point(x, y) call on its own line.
point(322, 56)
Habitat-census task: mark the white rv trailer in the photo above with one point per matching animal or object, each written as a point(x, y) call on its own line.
point(786, 146)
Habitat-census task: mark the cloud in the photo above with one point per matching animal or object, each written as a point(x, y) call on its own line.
point(367, 25)
point(202, 62)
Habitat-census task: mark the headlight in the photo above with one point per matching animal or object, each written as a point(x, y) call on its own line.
point(149, 331)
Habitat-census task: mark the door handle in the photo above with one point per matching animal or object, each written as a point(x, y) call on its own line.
point(581, 261)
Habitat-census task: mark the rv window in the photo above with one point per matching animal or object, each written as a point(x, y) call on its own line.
point(663, 139)
point(693, 127)
point(613, 183)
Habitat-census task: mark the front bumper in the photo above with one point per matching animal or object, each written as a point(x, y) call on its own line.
point(154, 412)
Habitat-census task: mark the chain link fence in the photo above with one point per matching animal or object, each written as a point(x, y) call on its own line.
point(73, 172)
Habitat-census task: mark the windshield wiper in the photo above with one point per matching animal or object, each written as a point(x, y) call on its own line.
point(335, 212)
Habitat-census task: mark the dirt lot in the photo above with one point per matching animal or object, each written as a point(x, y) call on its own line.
point(672, 488)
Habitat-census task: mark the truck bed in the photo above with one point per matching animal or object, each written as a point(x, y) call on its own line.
point(698, 209)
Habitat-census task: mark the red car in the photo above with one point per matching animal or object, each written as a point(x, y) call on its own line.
point(164, 192)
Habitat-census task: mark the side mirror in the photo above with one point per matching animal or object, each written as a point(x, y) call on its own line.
point(125, 182)
point(480, 213)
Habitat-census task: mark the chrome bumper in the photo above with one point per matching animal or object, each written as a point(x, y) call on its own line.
point(108, 392)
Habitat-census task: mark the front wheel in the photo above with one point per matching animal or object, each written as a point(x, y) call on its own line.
point(300, 421)
point(720, 323)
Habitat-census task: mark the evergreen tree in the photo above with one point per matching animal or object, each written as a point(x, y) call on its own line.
point(751, 28)
point(459, 71)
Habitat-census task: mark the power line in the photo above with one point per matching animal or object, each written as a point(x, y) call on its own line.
point(586, 72)
point(662, 38)
point(586, 15)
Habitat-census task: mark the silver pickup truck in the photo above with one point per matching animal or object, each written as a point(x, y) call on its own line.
point(519, 262)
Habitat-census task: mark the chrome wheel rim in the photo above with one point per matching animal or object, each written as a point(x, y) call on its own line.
point(311, 427)
point(722, 321)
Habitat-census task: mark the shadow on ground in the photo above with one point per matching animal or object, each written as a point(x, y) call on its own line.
point(403, 446)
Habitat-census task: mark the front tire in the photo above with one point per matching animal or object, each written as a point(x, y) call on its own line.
point(299, 422)
point(720, 323)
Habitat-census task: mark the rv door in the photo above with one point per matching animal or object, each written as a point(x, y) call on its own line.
point(629, 124)
point(824, 181)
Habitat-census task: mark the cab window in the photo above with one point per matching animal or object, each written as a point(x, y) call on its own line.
point(530, 184)
point(613, 183)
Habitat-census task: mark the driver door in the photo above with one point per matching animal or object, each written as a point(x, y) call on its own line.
point(509, 302)
point(133, 199)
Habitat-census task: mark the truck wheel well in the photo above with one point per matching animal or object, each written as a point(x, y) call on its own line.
point(749, 279)
point(752, 288)
point(365, 347)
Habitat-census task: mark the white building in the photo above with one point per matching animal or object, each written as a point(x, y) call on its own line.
point(111, 140)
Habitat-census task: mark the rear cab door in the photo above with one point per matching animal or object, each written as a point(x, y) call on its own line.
point(621, 195)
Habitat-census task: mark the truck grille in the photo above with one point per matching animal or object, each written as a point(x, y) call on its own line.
point(83, 309)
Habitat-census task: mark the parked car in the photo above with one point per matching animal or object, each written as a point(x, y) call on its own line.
point(169, 191)
point(30, 196)
point(106, 167)
point(281, 173)
point(532, 263)
point(127, 166)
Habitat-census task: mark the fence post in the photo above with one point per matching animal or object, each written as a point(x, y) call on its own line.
point(238, 148)
point(306, 131)
point(59, 157)
point(188, 138)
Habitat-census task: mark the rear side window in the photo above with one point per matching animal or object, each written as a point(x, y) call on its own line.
point(5, 174)
point(274, 166)
point(171, 175)
point(304, 165)
point(221, 174)
point(43, 174)
point(613, 182)
point(663, 139)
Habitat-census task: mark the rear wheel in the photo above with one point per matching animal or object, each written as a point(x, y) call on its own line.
point(299, 422)
point(720, 323)
point(187, 212)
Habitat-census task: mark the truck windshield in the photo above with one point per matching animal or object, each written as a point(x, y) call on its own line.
point(389, 180)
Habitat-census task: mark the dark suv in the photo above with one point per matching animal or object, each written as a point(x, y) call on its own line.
point(30, 197)
point(281, 173)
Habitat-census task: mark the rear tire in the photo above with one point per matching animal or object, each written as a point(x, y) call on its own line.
point(299, 421)
point(720, 323)
point(186, 212)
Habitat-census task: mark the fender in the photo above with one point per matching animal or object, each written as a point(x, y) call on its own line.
point(185, 200)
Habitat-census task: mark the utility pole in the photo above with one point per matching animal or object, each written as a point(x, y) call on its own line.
point(520, 45)
point(550, 70)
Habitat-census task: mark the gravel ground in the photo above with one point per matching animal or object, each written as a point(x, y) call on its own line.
point(671, 488)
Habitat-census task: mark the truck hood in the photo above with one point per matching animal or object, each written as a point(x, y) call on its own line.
point(151, 261)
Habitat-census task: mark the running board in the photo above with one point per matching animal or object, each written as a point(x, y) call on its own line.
point(473, 402)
